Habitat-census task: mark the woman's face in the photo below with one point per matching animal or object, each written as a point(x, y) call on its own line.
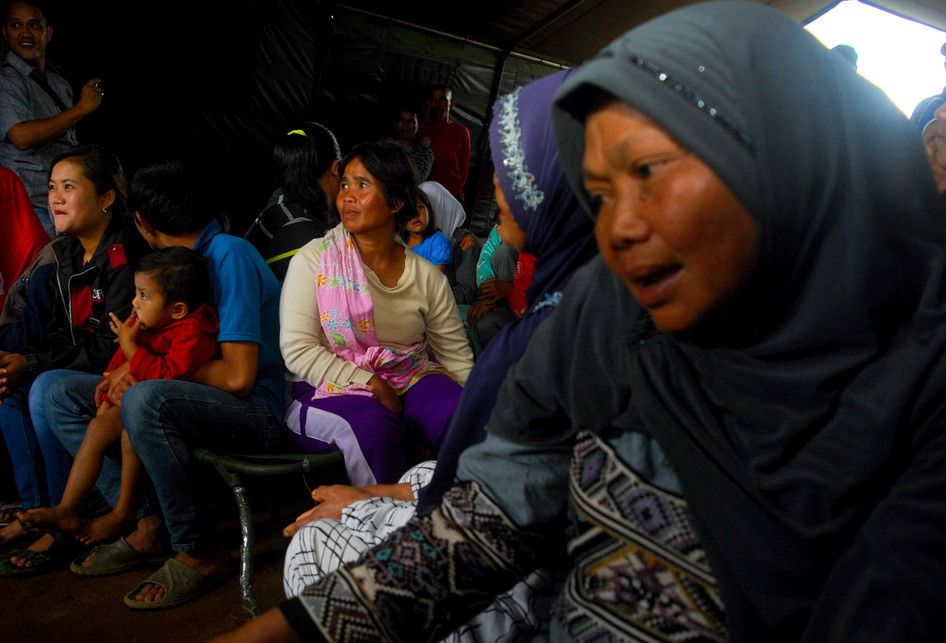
point(509, 231)
point(418, 224)
point(76, 207)
point(361, 203)
point(667, 226)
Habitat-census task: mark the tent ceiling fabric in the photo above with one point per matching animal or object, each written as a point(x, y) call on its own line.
point(570, 31)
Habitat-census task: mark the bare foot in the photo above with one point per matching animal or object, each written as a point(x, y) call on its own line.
point(210, 562)
point(106, 529)
point(60, 518)
point(42, 544)
point(149, 537)
point(8, 511)
point(11, 532)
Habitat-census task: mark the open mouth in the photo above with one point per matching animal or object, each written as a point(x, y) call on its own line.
point(657, 275)
point(654, 287)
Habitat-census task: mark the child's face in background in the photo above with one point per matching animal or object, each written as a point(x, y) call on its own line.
point(418, 224)
point(149, 304)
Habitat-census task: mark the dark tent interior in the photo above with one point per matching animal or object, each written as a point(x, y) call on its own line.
point(214, 82)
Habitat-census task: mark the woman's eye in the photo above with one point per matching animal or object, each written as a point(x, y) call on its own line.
point(363, 185)
point(596, 201)
point(644, 171)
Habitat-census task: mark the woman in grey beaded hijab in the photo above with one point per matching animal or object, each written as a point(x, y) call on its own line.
point(804, 412)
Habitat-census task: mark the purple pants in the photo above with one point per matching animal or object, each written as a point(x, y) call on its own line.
point(378, 446)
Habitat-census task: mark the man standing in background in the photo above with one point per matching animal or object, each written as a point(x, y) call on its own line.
point(37, 117)
point(449, 141)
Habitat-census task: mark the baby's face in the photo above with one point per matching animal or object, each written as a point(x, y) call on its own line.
point(149, 303)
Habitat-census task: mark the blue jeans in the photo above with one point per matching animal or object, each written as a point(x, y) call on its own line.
point(40, 467)
point(165, 419)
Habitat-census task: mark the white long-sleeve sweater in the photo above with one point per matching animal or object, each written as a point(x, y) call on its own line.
point(421, 304)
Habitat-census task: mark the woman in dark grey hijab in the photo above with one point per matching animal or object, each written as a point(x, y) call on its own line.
point(805, 416)
point(733, 422)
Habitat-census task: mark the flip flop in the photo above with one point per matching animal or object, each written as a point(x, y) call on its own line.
point(29, 536)
point(115, 558)
point(63, 549)
point(181, 583)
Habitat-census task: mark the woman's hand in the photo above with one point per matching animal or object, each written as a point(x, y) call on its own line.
point(383, 392)
point(477, 310)
point(12, 370)
point(330, 500)
point(492, 290)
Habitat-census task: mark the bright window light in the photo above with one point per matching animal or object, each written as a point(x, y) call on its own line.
point(900, 56)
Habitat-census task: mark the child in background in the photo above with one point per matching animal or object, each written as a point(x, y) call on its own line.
point(422, 236)
point(170, 334)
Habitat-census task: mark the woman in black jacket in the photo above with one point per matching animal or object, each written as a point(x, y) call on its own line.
point(81, 276)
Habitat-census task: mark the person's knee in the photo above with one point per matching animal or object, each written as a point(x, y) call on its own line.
point(147, 408)
point(136, 406)
point(52, 390)
point(144, 396)
point(98, 428)
point(389, 428)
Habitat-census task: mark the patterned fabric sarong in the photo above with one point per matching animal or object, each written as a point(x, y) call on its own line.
point(346, 313)
point(428, 576)
point(640, 571)
point(323, 546)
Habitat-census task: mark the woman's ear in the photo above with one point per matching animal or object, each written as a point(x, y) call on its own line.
point(106, 199)
point(396, 205)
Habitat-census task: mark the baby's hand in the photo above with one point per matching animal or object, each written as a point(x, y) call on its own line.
point(124, 331)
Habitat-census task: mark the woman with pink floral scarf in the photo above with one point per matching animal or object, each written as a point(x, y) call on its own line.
point(370, 331)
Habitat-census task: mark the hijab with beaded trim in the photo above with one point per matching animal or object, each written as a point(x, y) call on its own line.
point(557, 231)
point(539, 196)
point(789, 422)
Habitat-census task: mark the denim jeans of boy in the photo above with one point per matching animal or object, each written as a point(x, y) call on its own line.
point(164, 420)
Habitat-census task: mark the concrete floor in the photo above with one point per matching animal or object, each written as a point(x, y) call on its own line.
point(62, 606)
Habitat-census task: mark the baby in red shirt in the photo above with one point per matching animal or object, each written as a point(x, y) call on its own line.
point(170, 334)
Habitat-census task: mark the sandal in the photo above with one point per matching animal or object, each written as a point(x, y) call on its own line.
point(115, 558)
point(181, 583)
point(57, 556)
point(27, 536)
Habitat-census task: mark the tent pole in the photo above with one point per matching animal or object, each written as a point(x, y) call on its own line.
point(485, 166)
